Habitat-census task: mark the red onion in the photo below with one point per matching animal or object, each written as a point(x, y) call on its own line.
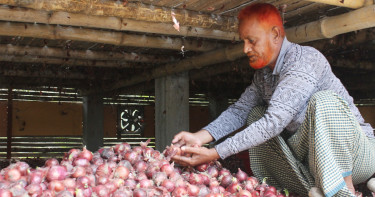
point(5, 193)
point(56, 186)
point(202, 167)
point(141, 176)
point(131, 156)
point(78, 171)
point(195, 179)
point(168, 185)
point(180, 191)
point(212, 171)
point(12, 175)
point(83, 192)
point(86, 154)
point(101, 191)
point(226, 180)
point(102, 180)
point(83, 181)
point(193, 190)
point(159, 177)
point(18, 190)
point(56, 173)
point(51, 162)
point(34, 189)
point(103, 170)
point(112, 187)
point(22, 167)
point(121, 172)
point(81, 162)
point(73, 153)
point(234, 187)
point(107, 153)
point(241, 175)
point(167, 168)
point(139, 193)
point(140, 166)
point(146, 183)
point(243, 193)
point(130, 183)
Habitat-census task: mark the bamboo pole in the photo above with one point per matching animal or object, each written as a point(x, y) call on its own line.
point(99, 36)
point(343, 3)
point(10, 49)
point(70, 62)
point(131, 10)
point(331, 26)
point(109, 22)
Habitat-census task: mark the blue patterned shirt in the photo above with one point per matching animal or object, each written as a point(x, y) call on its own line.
point(300, 71)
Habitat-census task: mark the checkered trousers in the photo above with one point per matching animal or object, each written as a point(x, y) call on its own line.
point(328, 146)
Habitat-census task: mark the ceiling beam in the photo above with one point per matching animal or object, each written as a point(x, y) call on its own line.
point(131, 10)
point(109, 22)
point(100, 36)
point(16, 50)
point(69, 62)
point(343, 3)
point(331, 26)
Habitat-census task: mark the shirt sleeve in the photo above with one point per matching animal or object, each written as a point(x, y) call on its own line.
point(235, 116)
point(293, 91)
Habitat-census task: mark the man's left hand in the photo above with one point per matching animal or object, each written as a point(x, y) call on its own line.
point(198, 155)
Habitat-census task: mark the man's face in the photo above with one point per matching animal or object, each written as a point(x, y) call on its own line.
point(257, 43)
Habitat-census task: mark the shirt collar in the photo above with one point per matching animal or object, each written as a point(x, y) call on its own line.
point(280, 59)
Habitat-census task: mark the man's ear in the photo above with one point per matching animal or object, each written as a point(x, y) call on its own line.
point(276, 33)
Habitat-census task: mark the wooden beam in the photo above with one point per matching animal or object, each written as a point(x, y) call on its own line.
point(130, 10)
point(100, 36)
point(70, 62)
point(343, 3)
point(110, 22)
point(331, 26)
point(17, 50)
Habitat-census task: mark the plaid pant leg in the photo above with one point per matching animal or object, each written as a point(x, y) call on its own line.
point(337, 145)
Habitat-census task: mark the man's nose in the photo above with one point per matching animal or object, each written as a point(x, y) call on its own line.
point(247, 48)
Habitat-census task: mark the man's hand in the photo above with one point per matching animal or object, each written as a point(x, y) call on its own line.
point(199, 155)
point(185, 138)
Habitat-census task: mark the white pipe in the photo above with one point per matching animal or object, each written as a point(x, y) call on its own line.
point(342, 3)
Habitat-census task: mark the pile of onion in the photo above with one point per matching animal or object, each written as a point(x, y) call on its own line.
point(122, 171)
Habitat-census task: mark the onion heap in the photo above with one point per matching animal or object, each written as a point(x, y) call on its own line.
point(122, 171)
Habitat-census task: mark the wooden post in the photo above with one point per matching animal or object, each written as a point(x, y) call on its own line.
point(171, 108)
point(93, 128)
point(9, 124)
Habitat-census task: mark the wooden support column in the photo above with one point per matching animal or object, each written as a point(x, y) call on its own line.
point(93, 129)
point(171, 108)
point(9, 124)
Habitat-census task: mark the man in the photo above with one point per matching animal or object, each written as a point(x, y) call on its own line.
point(309, 134)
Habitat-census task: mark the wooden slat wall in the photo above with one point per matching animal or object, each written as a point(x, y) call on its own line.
point(56, 146)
